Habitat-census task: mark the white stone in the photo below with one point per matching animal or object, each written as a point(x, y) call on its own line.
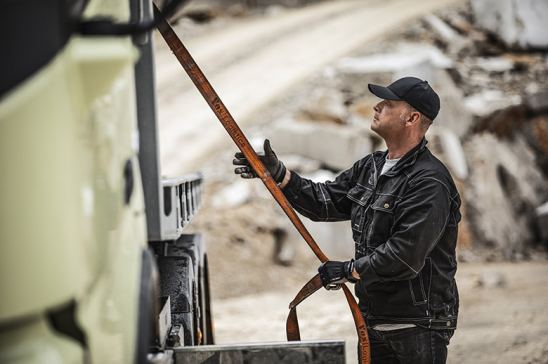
point(518, 23)
point(325, 105)
point(320, 175)
point(452, 152)
point(233, 195)
point(447, 33)
point(335, 238)
point(300, 163)
point(337, 146)
point(452, 115)
point(542, 209)
point(503, 188)
point(486, 102)
point(495, 64)
point(407, 55)
point(491, 280)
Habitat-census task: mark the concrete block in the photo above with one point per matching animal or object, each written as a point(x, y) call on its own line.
point(447, 147)
point(518, 23)
point(325, 105)
point(334, 145)
point(407, 55)
point(233, 195)
point(452, 115)
point(503, 189)
point(335, 238)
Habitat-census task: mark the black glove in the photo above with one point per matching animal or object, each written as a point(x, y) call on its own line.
point(270, 160)
point(334, 273)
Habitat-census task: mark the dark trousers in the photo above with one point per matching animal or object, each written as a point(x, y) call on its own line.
point(414, 345)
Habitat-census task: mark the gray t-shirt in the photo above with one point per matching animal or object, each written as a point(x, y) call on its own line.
point(389, 164)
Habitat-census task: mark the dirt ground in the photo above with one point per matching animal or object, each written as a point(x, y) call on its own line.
point(502, 315)
point(504, 323)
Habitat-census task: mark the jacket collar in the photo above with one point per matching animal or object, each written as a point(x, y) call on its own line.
point(407, 160)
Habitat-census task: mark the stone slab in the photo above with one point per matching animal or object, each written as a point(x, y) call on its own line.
point(336, 146)
point(518, 23)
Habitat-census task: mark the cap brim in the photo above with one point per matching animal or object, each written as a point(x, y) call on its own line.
point(382, 92)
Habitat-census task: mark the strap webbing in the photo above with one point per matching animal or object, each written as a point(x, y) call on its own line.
point(292, 323)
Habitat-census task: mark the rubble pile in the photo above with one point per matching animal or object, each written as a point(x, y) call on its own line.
point(501, 66)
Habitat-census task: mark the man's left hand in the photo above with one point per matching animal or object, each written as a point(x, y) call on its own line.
point(334, 273)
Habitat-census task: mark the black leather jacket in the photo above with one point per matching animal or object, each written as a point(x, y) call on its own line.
point(404, 225)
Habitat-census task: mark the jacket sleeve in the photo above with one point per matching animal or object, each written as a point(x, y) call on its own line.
point(323, 201)
point(420, 221)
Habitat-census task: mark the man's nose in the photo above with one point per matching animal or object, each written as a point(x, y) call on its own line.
point(377, 107)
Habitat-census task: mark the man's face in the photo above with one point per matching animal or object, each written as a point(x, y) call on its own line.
point(389, 118)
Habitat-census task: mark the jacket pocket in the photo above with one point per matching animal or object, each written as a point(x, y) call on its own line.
point(360, 196)
point(419, 287)
point(382, 221)
point(416, 287)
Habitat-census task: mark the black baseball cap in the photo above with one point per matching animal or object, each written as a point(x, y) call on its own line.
point(412, 90)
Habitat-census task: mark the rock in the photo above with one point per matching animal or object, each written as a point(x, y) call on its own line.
point(542, 221)
point(334, 145)
point(537, 102)
point(446, 146)
point(494, 64)
point(518, 23)
point(423, 70)
point(491, 280)
point(502, 191)
point(199, 12)
point(504, 122)
point(453, 40)
point(232, 196)
point(447, 34)
point(406, 56)
point(321, 175)
point(325, 105)
point(284, 250)
point(536, 133)
point(335, 238)
point(452, 115)
point(487, 102)
point(300, 164)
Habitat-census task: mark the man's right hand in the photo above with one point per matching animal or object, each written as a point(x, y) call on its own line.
point(270, 160)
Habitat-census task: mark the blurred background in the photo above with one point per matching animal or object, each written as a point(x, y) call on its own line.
point(296, 72)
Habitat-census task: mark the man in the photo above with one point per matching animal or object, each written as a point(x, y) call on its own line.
point(404, 211)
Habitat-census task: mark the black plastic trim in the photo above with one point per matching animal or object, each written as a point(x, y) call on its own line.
point(33, 33)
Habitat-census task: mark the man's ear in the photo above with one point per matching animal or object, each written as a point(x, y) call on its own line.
point(413, 118)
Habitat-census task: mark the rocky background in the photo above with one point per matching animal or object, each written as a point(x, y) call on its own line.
point(488, 61)
point(492, 133)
